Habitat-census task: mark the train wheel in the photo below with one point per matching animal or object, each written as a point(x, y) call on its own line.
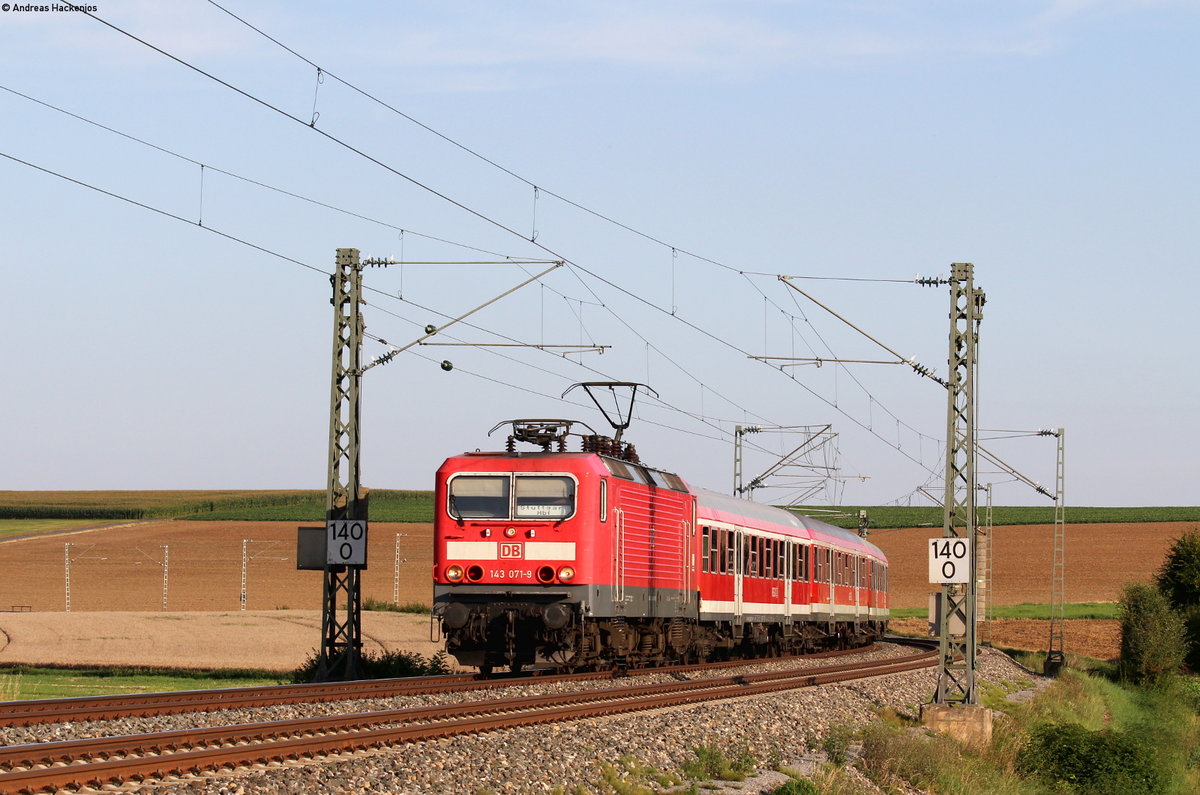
point(485, 670)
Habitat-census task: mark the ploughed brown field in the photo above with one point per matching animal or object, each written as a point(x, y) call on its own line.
point(116, 579)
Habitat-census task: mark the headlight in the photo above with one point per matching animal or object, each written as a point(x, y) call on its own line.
point(454, 573)
point(510, 531)
point(566, 573)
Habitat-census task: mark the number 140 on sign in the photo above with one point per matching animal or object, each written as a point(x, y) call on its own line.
point(949, 560)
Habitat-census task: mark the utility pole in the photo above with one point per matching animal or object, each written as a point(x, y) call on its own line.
point(738, 433)
point(1055, 656)
point(166, 567)
point(341, 604)
point(956, 672)
point(67, 572)
point(397, 560)
point(245, 562)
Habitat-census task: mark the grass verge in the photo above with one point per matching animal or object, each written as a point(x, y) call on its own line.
point(25, 527)
point(18, 682)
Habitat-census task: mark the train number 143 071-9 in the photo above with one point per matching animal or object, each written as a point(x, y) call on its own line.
point(510, 574)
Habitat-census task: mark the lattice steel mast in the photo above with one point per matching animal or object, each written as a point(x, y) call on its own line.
point(341, 646)
point(1055, 656)
point(956, 673)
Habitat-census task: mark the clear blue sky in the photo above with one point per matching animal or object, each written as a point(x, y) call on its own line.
point(1052, 144)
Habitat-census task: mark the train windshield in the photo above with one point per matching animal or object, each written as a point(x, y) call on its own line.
point(491, 497)
point(479, 497)
point(543, 497)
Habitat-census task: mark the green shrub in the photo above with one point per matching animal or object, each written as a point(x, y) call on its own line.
point(387, 665)
point(711, 764)
point(417, 608)
point(631, 777)
point(836, 745)
point(891, 755)
point(1153, 643)
point(1106, 762)
point(1191, 629)
point(1179, 576)
point(796, 786)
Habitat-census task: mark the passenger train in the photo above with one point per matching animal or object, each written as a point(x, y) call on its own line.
point(592, 559)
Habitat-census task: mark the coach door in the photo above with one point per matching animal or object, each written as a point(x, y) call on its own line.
point(739, 570)
point(831, 577)
point(860, 568)
point(789, 557)
point(688, 565)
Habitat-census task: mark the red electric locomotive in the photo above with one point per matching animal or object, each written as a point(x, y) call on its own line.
point(591, 558)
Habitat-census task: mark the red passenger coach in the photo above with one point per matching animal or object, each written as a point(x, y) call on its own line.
point(585, 559)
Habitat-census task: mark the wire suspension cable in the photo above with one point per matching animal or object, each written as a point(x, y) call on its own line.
point(911, 362)
point(450, 200)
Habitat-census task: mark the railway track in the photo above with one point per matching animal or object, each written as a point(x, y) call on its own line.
point(97, 762)
point(136, 705)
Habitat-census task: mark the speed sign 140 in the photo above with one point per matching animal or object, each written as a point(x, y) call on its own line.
point(346, 542)
point(949, 560)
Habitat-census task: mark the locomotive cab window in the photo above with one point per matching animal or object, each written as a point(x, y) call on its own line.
point(496, 497)
point(543, 497)
point(479, 497)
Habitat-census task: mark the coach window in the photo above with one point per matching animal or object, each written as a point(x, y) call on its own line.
point(704, 549)
point(478, 497)
point(545, 497)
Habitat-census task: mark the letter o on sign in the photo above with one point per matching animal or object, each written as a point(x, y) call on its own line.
point(346, 542)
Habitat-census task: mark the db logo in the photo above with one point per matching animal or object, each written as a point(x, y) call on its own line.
point(508, 551)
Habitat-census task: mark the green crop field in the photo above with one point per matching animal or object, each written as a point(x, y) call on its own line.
point(929, 516)
point(385, 506)
point(116, 505)
point(227, 505)
point(389, 505)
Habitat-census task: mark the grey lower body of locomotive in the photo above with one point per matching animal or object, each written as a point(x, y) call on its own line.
point(581, 626)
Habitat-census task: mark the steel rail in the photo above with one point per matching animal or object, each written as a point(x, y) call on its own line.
point(85, 708)
point(278, 741)
point(66, 751)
